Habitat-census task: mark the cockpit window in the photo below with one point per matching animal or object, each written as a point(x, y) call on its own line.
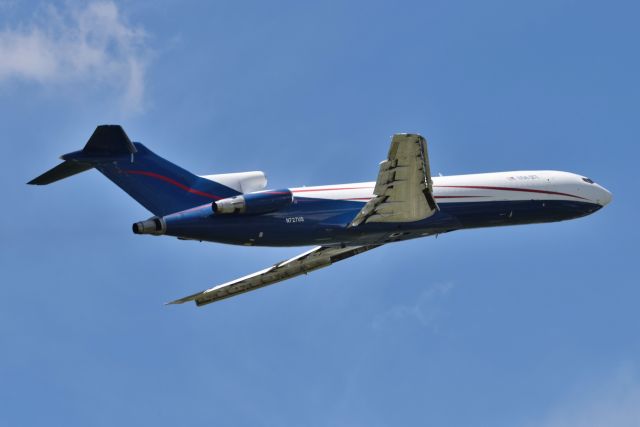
point(588, 180)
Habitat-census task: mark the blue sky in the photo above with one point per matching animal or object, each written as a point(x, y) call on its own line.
point(524, 326)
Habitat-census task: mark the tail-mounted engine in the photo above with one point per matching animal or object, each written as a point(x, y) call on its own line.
point(156, 226)
point(254, 203)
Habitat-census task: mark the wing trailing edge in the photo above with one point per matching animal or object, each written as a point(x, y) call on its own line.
point(314, 259)
point(404, 189)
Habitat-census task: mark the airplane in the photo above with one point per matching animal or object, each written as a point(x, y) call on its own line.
point(344, 220)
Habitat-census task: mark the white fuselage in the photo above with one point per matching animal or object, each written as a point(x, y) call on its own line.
point(484, 187)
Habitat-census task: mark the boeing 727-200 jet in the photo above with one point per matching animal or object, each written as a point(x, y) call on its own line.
point(405, 202)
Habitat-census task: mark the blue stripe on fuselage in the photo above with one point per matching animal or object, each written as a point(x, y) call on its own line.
point(310, 221)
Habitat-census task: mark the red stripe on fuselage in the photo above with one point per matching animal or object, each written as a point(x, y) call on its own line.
point(458, 197)
point(524, 190)
point(478, 187)
point(437, 197)
point(173, 182)
point(306, 190)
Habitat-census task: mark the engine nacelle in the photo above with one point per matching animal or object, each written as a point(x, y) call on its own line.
point(155, 226)
point(254, 203)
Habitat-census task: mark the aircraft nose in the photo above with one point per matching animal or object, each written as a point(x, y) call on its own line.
point(595, 192)
point(604, 196)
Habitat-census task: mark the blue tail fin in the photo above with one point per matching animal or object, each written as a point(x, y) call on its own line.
point(158, 185)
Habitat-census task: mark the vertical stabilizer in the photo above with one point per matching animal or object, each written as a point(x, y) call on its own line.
point(159, 185)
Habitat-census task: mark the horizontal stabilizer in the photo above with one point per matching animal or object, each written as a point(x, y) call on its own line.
point(107, 143)
point(62, 171)
point(109, 140)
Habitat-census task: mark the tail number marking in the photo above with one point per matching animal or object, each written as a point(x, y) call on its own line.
point(294, 219)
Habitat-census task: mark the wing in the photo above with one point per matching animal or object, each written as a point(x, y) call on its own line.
point(319, 257)
point(404, 190)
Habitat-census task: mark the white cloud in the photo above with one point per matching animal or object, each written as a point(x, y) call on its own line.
point(426, 309)
point(89, 45)
point(611, 403)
